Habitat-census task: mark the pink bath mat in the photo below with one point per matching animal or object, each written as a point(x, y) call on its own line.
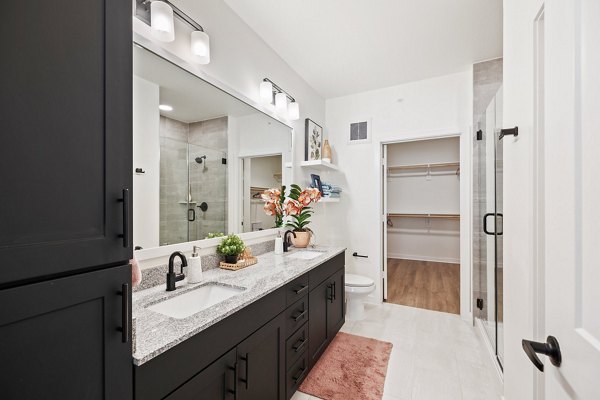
point(352, 367)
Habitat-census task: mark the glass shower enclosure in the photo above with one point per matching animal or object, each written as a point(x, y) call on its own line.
point(487, 218)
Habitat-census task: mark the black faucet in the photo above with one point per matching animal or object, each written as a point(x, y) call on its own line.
point(286, 242)
point(172, 277)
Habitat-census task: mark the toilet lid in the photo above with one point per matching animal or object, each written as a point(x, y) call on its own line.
point(358, 280)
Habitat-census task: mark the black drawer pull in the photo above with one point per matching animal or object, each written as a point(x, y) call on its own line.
point(302, 289)
point(300, 316)
point(330, 295)
point(300, 376)
point(126, 217)
point(234, 370)
point(299, 344)
point(247, 361)
point(125, 317)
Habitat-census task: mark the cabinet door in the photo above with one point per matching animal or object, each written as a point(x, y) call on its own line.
point(215, 382)
point(63, 339)
point(66, 153)
point(318, 337)
point(261, 363)
point(335, 306)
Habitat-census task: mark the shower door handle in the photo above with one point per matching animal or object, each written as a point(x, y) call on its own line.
point(191, 215)
point(485, 226)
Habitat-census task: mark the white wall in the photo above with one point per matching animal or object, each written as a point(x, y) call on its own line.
point(417, 109)
point(412, 191)
point(146, 155)
point(518, 89)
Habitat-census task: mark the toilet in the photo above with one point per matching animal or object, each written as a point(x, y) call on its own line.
point(357, 288)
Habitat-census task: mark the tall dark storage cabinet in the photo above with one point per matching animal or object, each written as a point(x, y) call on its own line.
point(65, 184)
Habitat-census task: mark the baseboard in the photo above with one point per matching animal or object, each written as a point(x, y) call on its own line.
point(447, 260)
point(490, 349)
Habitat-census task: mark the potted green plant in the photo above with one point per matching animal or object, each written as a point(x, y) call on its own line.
point(231, 247)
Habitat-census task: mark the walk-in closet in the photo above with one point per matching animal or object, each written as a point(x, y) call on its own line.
point(422, 236)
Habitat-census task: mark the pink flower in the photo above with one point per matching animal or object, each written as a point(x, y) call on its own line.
point(272, 208)
point(304, 198)
point(314, 193)
point(292, 207)
point(271, 195)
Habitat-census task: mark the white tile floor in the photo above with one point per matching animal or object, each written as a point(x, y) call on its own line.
point(436, 356)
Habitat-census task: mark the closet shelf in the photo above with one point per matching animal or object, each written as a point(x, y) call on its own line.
point(415, 215)
point(422, 166)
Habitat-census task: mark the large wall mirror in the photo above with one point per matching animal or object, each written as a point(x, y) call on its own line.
point(201, 157)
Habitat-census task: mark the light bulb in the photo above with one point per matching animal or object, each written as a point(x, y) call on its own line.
point(293, 111)
point(266, 92)
point(281, 103)
point(161, 21)
point(200, 47)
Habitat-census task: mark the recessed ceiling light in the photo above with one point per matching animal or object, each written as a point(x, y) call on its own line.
point(165, 107)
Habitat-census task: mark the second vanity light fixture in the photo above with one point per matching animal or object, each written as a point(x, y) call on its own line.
point(159, 14)
point(271, 93)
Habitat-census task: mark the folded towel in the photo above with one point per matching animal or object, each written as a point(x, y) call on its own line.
point(136, 273)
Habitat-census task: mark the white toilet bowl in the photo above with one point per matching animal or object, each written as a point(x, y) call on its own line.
point(357, 288)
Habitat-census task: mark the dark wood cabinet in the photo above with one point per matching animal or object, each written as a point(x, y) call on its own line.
point(326, 314)
point(63, 339)
point(216, 382)
point(66, 154)
point(335, 307)
point(261, 363)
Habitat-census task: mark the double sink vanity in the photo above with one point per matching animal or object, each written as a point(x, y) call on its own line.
point(254, 333)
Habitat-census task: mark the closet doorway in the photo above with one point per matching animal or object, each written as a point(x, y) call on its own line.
point(421, 194)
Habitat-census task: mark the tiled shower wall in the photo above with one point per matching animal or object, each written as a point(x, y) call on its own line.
point(487, 79)
point(180, 175)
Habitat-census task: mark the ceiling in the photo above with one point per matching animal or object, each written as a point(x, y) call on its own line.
point(342, 47)
point(192, 98)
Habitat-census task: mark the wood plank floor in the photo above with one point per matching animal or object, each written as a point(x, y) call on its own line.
point(424, 284)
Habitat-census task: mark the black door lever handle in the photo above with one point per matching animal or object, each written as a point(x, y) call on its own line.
point(550, 349)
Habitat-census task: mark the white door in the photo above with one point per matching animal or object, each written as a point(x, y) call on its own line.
point(572, 197)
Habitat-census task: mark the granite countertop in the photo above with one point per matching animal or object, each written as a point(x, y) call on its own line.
point(156, 333)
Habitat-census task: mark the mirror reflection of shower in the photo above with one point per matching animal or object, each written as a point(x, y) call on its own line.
point(202, 160)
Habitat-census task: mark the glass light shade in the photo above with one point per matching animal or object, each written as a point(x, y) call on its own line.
point(200, 47)
point(161, 21)
point(293, 111)
point(281, 103)
point(266, 92)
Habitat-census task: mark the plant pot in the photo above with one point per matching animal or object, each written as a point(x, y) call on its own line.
point(231, 259)
point(301, 240)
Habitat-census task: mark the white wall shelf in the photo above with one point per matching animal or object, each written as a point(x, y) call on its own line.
point(319, 164)
point(329, 200)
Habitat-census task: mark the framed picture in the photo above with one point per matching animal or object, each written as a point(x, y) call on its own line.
point(313, 140)
point(316, 182)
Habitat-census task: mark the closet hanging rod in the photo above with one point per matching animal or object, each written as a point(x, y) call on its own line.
point(421, 166)
point(441, 216)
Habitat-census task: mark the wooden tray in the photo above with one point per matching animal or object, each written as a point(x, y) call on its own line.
point(239, 265)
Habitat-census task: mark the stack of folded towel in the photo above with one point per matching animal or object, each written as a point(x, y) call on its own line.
point(331, 191)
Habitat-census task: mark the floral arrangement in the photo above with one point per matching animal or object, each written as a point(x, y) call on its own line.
point(295, 206)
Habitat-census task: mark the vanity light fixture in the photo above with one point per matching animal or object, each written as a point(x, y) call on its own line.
point(165, 107)
point(271, 93)
point(161, 21)
point(266, 92)
point(293, 111)
point(159, 14)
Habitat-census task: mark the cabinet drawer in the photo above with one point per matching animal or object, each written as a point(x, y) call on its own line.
point(296, 289)
point(296, 346)
point(296, 315)
point(296, 375)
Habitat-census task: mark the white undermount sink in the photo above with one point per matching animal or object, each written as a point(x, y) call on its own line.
point(196, 300)
point(306, 254)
